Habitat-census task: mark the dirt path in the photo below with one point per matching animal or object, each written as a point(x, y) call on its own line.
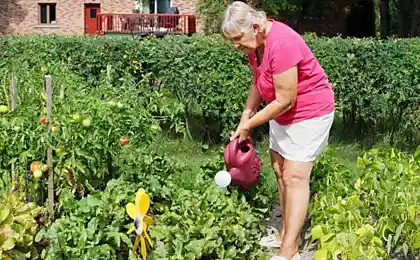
point(274, 221)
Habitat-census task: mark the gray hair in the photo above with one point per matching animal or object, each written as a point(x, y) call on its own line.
point(240, 16)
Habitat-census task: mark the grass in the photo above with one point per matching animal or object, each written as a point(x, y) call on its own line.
point(191, 154)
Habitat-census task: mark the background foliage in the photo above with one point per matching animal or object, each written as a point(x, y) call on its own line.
point(377, 83)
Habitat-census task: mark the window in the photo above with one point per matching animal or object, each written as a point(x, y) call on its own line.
point(93, 12)
point(47, 13)
point(160, 6)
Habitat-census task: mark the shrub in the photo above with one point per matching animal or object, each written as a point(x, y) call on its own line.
point(376, 82)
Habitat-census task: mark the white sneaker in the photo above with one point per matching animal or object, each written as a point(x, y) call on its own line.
point(295, 257)
point(277, 258)
point(272, 241)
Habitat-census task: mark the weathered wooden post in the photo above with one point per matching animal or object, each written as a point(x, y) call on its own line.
point(49, 91)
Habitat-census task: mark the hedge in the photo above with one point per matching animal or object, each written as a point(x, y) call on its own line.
point(377, 82)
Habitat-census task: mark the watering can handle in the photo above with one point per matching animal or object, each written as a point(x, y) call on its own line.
point(235, 145)
point(247, 142)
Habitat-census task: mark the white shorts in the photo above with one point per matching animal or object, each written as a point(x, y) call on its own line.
point(302, 141)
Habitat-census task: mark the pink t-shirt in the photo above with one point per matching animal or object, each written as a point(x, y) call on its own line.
point(284, 49)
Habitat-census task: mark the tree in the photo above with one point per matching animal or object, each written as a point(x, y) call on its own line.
point(384, 20)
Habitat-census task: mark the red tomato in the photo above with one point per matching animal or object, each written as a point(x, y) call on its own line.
point(123, 141)
point(43, 119)
point(35, 166)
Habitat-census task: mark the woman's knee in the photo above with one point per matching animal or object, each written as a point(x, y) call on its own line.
point(296, 173)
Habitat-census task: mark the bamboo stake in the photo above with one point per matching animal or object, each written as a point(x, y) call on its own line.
point(6, 94)
point(48, 81)
point(13, 86)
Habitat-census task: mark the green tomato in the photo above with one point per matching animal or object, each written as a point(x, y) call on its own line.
point(59, 149)
point(55, 129)
point(87, 123)
point(43, 96)
point(4, 109)
point(156, 128)
point(37, 174)
point(44, 69)
point(77, 118)
point(44, 168)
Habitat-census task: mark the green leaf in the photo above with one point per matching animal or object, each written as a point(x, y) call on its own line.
point(389, 244)
point(4, 213)
point(417, 154)
point(40, 235)
point(316, 232)
point(412, 212)
point(196, 246)
point(416, 244)
point(377, 241)
point(405, 249)
point(17, 255)
point(8, 244)
point(126, 240)
point(326, 238)
point(398, 232)
point(321, 254)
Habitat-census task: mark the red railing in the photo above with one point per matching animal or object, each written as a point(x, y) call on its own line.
point(144, 24)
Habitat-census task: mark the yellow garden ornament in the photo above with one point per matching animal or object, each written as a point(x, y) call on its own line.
point(138, 213)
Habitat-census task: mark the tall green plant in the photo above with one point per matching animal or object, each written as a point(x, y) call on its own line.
point(211, 13)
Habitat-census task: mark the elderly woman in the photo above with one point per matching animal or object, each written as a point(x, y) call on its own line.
point(299, 109)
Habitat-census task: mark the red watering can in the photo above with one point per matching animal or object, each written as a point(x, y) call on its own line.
point(242, 163)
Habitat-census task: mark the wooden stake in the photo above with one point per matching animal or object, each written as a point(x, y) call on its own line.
point(14, 93)
point(48, 81)
point(62, 94)
point(13, 173)
point(108, 73)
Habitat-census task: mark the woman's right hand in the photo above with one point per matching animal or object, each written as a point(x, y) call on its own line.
point(251, 105)
point(244, 119)
point(242, 133)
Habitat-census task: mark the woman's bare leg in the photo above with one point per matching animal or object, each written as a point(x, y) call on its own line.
point(295, 176)
point(277, 163)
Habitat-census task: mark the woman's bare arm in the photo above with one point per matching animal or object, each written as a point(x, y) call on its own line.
point(285, 84)
point(252, 103)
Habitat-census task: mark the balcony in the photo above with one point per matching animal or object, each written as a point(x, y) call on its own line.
point(146, 24)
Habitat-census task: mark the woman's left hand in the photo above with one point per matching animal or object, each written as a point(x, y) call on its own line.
point(242, 133)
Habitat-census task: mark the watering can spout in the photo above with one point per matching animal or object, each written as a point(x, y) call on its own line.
point(243, 163)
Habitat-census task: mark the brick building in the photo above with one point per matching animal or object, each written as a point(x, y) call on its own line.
point(74, 16)
point(161, 6)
